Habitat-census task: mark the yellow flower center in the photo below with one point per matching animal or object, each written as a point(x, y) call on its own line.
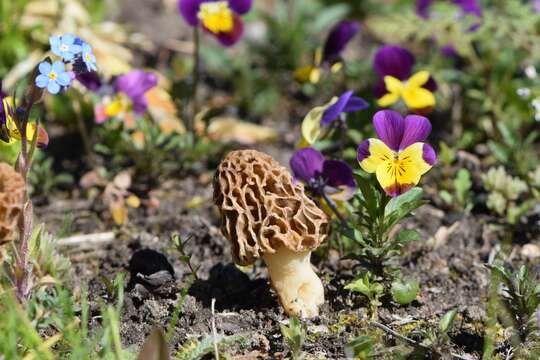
point(53, 75)
point(216, 16)
point(64, 47)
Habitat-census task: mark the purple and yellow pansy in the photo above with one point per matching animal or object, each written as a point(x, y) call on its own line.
point(394, 64)
point(129, 96)
point(332, 179)
point(219, 18)
point(399, 157)
point(323, 116)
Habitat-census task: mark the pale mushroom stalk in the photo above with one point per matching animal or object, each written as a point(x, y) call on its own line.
point(299, 289)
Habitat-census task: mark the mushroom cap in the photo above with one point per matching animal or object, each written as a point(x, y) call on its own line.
point(262, 209)
point(12, 189)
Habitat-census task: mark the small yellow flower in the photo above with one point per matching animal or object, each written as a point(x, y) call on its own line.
point(411, 91)
point(216, 16)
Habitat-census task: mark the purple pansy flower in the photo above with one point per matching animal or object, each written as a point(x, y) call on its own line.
point(396, 61)
point(329, 178)
point(399, 157)
point(219, 18)
point(338, 39)
point(345, 103)
point(135, 84)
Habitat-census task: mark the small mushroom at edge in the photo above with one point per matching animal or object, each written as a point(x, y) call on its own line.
point(264, 214)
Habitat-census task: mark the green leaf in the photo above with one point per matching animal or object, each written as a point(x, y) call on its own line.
point(405, 292)
point(447, 321)
point(359, 348)
point(446, 196)
point(407, 235)
point(499, 151)
point(401, 206)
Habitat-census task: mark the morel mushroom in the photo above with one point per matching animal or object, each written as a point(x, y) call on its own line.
point(264, 214)
point(11, 202)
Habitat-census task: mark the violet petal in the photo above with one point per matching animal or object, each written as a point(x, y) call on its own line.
point(338, 173)
point(189, 10)
point(334, 110)
point(338, 39)
point(306, 164)
point(389, 125)
point(417, 128)
point(429, 155)
point(240, 6)
point(231, 38)
point(395, 61)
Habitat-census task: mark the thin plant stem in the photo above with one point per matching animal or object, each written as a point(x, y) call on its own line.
point(23, 273)
point(342, 220)
point(84, 133)
point(196, 74)
point(342, 134)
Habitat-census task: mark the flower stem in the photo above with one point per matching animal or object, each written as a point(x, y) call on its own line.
point(84, 133)
point(342, 220)
point(23, 273)
point(196, 71)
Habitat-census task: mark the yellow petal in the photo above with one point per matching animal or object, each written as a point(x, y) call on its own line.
point(336, 67)
point(393, 85)
point(133, 201)
point(317, 58)
point(412, 160)
point(418, 98)
point(379, 154)
point(315, 75)
point(119, 212)
point(303, 74)
point(114, 108)
point(311, 126)
point(418, 79)
point(388, 100)
point(398, 176)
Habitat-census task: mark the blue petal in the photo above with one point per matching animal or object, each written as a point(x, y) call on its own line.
point(42, 81)
point(54, 41)
point(68, 39)
point(75, 49)
point(66, 55)
point(64, 79)
point(44, 67)
point(58, 67)
point(53, 87)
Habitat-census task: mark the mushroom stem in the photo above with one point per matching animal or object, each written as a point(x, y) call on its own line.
point(299, 289)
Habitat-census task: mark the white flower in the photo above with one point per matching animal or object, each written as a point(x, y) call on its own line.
point(530, 71)
point(524, 92)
